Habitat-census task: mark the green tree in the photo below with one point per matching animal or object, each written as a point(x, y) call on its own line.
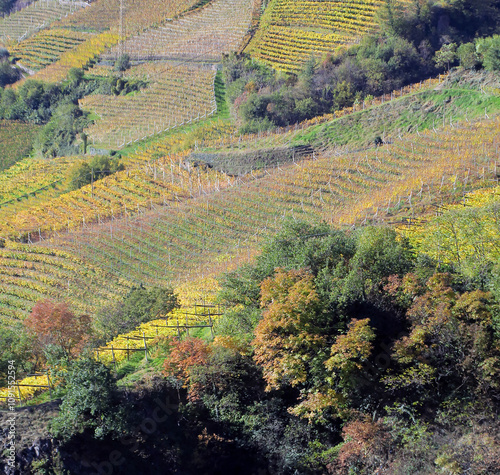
point(90, 403)
point(8, 73)
point(380, 252)
point(446, 56)
point(18, 345)
point(491, 57)
point(139, 306)
point(349, 353)
point(343, 96)
point(467, 55)
point(59, 135)
point(122, 63)
point(286, 339)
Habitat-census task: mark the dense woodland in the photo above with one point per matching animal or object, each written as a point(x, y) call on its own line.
point(343, 352)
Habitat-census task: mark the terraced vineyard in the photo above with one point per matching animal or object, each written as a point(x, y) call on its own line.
point(32, 181)
point(206, 33)
point(137, 15)
point(291, 32)
point(30, 273)
point(177, 94)
point(167, 181)
point(79, 57)
point(191, 221)
point(16, 140)
point(34, 17)
point(46, 47)
point(209, 233)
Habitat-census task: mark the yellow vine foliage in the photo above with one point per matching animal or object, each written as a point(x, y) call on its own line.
point(467, 233)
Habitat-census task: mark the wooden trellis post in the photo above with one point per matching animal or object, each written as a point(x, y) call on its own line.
point(49, 384)
point(113, 353)
point(145, 346)
point(19, 391)
point(211, 326)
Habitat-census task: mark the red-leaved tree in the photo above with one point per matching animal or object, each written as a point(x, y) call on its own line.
point(55, 324)
point(185, 355)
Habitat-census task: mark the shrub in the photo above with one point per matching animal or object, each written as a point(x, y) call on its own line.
point(99, 167)
point(90, 403)
point(122, 63)
point(141, 305)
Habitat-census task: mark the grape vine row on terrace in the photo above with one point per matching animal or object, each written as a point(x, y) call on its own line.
point(203, 34)
point(176, 94)
point(37, 15)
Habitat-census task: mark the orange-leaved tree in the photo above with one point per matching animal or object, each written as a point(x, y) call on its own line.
point(366, 445)
point(286, 339)
point(450, 344)
point(349, 354)
point(184, 356)
point(53, 323)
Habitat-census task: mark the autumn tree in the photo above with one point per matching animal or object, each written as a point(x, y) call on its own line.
point(55, 324)
point(286, 339)
point(346, 373)
point(349, 353)
point(450, 343)
point(366, 444)
point(184, 356)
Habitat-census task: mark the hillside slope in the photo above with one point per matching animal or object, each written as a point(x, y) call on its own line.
point(291, 32)
point(209, 232)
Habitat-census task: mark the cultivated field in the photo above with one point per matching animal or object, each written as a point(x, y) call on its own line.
point(191, 221)
point(291, 32)
point(22, 24)
point(176, 94)
point(46, 47)
point(202, 34)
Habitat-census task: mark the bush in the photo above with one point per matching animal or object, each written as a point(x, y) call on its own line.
point(99, 167)
point(122, 63)
point(75, 75)
point(4, 54)
point(8, 74)
point(141, 305)
point(90, 403)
